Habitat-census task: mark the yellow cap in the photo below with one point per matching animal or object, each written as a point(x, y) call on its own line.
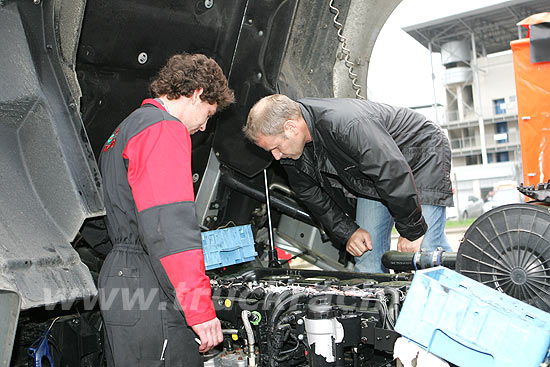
point(235, 337)
point(227, 303)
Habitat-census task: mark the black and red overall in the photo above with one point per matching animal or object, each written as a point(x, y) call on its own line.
point(157, 249)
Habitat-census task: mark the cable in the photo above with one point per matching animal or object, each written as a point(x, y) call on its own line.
point(294, 348)
point(227, 225)
point(347, 53)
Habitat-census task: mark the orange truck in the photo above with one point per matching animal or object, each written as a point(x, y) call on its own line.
point(532, 76)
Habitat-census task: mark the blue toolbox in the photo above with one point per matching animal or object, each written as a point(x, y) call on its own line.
point(228, 246)
point(470, 324)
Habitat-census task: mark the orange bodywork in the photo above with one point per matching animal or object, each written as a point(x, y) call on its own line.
point(533, 99)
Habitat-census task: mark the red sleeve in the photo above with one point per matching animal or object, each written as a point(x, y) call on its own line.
point(159, 173)
point(186, 272)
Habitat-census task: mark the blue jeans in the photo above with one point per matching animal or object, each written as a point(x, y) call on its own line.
point(374, 217)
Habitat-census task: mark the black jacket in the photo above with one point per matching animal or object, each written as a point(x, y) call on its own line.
point(373, 150)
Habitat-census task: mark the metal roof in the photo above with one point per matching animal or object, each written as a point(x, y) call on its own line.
point(493, 26)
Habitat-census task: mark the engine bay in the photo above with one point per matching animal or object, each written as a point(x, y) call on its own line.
point(286, 317)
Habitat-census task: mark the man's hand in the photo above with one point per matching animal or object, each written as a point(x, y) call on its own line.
point(404, 245)
point(210, 333)
point(359, 243)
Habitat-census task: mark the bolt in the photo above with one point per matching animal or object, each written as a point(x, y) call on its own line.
point(387, 337)
point(260, 33)
point(208, 4)
point(300, 337)
point(364, 340)
point(196, 177)
point(364, 324)
point(259, 76)
point(36, 2)
point(215, 219)
point(300, 321)
point(249, 21)
point(142, 58)
point(217, 154)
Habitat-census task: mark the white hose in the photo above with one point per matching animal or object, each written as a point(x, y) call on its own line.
point(250, 337)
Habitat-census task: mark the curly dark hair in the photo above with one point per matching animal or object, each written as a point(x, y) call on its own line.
point(184, 73)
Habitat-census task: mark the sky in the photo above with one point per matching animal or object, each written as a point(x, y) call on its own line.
point(400, 71)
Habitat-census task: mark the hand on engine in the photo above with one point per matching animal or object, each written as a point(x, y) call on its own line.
point(210, 334)
point(404, 245)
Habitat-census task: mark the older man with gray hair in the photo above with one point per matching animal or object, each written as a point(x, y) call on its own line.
point(392, 159)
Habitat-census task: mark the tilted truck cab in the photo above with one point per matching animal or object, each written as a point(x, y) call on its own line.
point(72, 70)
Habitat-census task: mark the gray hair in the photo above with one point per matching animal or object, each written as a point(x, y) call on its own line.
point(269, 114)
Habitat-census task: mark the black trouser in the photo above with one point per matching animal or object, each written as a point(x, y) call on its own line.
point(139, 317)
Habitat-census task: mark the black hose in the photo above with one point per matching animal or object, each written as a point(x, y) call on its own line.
point(393, 309)
point(273, 339)
point(276, 341)
point(407, 261)
point(294, 348)
point(281, 305)
point(277, 356)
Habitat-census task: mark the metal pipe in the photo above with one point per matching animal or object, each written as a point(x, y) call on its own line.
point(273, 259)
point(284, 205)
point(478, 106)
point(271, 241)
point(433, 83)
point(250, 337)
point(280, 187)
point(230, 331)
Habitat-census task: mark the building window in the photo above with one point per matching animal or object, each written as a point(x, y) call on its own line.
point(500, 106)
point(502, 157)
point(473, 160)
point(501, 133)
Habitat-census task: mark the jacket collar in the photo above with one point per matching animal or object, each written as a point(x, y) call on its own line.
point(153, 102)
point(319, 153)
point(307, 117)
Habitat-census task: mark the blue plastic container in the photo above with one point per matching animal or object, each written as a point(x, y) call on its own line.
point(470, 324)
point(228, 246)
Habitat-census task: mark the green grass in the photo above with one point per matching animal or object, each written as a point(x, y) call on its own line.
point(460, 223)
point(452, 224)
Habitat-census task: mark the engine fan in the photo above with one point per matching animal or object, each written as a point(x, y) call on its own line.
point(508, 248)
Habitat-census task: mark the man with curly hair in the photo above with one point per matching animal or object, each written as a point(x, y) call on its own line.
point(155, 296)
